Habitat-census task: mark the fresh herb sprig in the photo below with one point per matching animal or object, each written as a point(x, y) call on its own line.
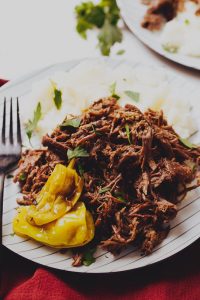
point(22, 176)
point(57, 95)
point(88, 256)
point(112, 89)
point(104, 190)
point(74, 122)
point(57, 98)
point(135, 96)
point(80, 169)
point(120, 52)
point(77, 152)
point(103, 16)
point(120, 196)
point(31, 125)
point(170, 48)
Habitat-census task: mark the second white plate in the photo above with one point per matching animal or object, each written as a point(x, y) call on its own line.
point(133, 13)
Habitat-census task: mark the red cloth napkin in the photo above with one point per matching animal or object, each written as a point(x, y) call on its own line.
point(177, 278)
point(3, 81)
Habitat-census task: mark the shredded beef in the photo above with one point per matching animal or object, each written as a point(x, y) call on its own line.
point(158, 13)
point(161, 11)
point(77, 259)
point(132, 179)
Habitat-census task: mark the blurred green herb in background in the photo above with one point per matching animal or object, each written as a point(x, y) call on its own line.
point(103, 16)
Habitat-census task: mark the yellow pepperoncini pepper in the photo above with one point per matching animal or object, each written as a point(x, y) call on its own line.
point(75, 228)
point(57, 220)
point(60, 193)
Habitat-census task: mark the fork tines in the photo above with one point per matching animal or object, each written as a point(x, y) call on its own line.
point(3, 135)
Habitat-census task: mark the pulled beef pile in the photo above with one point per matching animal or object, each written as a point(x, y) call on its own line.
point(161, 11)
point(135, 172)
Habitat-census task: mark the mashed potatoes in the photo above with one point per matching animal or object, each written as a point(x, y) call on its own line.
point(182, 34)
point(91, 80)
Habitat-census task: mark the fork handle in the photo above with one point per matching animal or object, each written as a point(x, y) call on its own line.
point(2, 177)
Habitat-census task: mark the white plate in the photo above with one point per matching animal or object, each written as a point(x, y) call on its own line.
point(133, 12)
point(185, 229)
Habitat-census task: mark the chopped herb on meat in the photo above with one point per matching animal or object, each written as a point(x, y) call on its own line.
point(77, 152)
point(88, 257)
point(104, 190)
point(80, 169)
point(22, 177)
point(74, 122)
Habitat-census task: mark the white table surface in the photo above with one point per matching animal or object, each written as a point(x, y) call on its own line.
point(37, 33)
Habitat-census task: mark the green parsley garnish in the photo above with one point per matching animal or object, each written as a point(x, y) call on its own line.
point(128, 133)
point(57, 98)
point(108, 36)
point(170, 48)
point(32, 124)
point(187, 143)
point(80, 169)
point(112, 90)
point(120, 52)
point(120, 197)
point(103, 16)
point(12, 234)
point(104, 190)
point(75, 122)
point(88, 257)
point(117, 97)
point(22, 176)
point(187, 22)
point(135, 96)
point(77, 152)
point(88, 16)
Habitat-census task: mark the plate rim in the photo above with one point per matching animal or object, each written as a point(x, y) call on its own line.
point(150, 265)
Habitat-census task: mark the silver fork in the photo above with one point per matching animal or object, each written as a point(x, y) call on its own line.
point(10, 151)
